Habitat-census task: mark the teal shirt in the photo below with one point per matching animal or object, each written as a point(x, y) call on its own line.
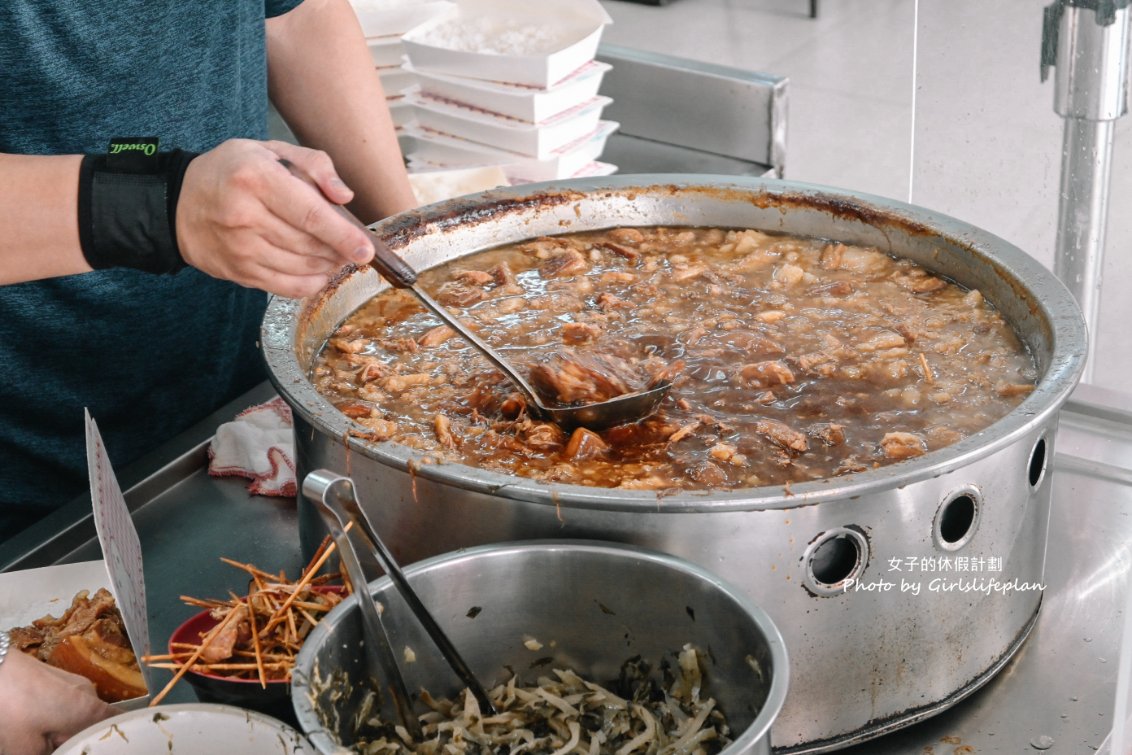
point(148, 355)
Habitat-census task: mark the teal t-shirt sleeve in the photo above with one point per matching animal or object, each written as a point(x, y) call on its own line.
point(273, 8)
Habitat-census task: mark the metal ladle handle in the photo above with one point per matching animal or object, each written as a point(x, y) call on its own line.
point(401, 274)
point(337, 493)
point(391, 266)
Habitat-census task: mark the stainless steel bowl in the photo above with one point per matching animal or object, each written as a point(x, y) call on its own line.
point(865, 661)
point(534, 607)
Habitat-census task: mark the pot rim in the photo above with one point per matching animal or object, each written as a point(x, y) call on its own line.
point(1048, 297)
point(758, 730)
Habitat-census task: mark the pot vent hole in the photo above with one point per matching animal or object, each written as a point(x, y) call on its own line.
point(1037, 467)
point(956, 519)
point(835, 559)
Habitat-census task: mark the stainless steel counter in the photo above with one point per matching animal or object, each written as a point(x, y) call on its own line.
point(1058, 690)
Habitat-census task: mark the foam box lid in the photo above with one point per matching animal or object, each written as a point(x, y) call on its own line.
point(577, 26)
point(383, 18)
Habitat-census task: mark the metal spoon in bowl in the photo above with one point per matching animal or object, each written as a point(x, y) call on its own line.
point(628, 407)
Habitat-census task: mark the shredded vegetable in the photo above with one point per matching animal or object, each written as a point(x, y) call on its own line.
point(647, 713)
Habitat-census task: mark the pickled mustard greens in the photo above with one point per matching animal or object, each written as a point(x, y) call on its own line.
point(646, 713)
point(798, 358)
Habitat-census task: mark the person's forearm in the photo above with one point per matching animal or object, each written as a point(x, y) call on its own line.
point(39, 228)
point(323, 82)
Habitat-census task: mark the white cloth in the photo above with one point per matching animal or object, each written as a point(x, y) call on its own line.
point(259, 445)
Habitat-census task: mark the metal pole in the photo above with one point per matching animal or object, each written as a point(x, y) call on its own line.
point(1090, 47)
point(1082, 217)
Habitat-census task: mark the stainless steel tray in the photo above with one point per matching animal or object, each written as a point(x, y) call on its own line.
point(1060, 685)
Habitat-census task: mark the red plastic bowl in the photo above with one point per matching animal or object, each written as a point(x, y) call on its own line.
point(274, 700)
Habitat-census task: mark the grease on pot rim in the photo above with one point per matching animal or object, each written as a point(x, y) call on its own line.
point(802, 358)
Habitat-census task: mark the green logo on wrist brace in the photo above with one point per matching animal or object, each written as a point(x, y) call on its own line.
point(133, 154)
point(149, 150)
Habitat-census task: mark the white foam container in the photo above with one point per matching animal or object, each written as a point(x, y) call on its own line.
point(384, 18)
point(433, 150)
point(531, 140)
point(577, 26)
point(437, 184)
point(31, 594)
point(596, 168)
point(396, 81)
point(590, 169)
point(403, 113)
point(526, 103)
point(385, 51)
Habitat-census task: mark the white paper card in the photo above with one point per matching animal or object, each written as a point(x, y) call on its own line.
point(121, 548)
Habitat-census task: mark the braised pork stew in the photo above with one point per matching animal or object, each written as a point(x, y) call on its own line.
point(792, 358)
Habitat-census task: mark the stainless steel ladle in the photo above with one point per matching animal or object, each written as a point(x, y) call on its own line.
point(337, 498)
point(628, 407)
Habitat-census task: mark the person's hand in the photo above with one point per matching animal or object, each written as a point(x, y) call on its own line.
point(41, 707)
point(243, 217)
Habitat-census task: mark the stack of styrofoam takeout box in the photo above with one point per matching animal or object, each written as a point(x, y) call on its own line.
point(384, 23)
point(511, 84)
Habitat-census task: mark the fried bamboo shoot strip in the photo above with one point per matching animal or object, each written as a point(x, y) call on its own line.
point(259, 635)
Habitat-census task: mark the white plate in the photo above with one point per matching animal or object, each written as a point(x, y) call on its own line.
point(189, 729)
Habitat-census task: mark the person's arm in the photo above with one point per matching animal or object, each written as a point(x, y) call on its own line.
point(323, 82)
point(39, 227)
point(41, 707)
point(241, 216)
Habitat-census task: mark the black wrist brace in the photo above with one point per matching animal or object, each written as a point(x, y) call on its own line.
point(128, 206)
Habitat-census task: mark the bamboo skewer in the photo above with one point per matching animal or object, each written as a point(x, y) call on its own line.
point(188, 664)
point(255, 644)
point(268, 658)
point(202, 602)
point(305, 580)
point(207, 667)
point(249, 569)
point(310, 619)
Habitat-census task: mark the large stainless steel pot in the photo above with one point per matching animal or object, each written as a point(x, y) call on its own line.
point(899, 590)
